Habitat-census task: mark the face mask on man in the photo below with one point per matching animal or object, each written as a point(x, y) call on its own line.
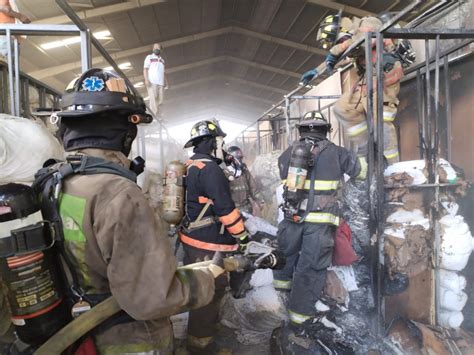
point(156, 51)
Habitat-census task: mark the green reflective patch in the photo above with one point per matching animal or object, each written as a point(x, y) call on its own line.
point(71, 209)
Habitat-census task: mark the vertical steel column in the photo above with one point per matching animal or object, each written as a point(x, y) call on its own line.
point(447, 101)
point(370, 118)
point(17, 76)
point(436, 211)
point(436, 105)
point(374, 251)
point(10, 72)
point(243, 141)
point(42, 97)
point(25, 95)
point(429, 145)
point(258, 137)
point(162, 153)
point(421, 113)
point(287, 120)
point(86, 61)
point(3, 82)
point(141, 141)
point(380, 170)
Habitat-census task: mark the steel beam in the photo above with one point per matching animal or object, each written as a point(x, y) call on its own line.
point(415, 33)
point(193, 65)
point(44, 73)
point(263, 66)
point(281, 41)
point(345, 8)
point(39, 30)
point(100, 11)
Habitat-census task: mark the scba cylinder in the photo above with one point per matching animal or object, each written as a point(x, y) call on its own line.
point(29, 266)
point(173, 192)
point(300, 160)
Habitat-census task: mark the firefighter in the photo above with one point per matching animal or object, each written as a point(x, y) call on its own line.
point(311, 170)
point(339, 33)
point(211, 223)
point(110, 231)
point(243, 187)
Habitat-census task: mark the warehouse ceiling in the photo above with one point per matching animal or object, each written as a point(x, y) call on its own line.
point(232, 56)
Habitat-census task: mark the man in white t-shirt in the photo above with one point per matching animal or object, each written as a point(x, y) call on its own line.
point(155, 78)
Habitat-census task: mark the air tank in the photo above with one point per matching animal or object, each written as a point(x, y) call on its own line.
point(173, 192)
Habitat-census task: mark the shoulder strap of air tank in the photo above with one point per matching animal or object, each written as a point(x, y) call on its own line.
point(88, 165)
point(48, 183)
point(320, 147)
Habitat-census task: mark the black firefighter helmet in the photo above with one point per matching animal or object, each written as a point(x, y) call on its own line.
point(208, 128)
point(329, 30)
point(313, 121)
point(99, 91)
point(100, 110)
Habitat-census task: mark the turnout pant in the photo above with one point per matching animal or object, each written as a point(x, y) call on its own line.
point(155, 93)
point(308, 248)
point(351, 111)
point(202, 321)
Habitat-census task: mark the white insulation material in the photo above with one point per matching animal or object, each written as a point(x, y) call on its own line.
point(414, 217)
point(456, 246)
point(456, 243)
point(415, 168)
point(450, 319)
point(24, 146)
point(256, 224)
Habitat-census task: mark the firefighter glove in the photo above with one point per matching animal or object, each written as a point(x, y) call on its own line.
point(330, 62)
point(308, 76)
point(217, 265)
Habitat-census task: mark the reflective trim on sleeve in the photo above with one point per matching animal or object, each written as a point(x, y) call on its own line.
point(298, 318)
point(363, 168)
point(322, 217)
point(282, 284)
point(207, 246)
point(237, 229)
point(389, 116)
point(357, 129)
point(391, 153)
point(231, 217)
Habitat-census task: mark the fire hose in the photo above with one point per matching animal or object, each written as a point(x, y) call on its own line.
point(256, 256)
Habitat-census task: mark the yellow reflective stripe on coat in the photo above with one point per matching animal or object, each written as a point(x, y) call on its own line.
point(357, 129)
point(321, 185)
point(322, 217)
point(363, 168)
point(389, 116)
point(297, 317)
point(282, 285)
point(391, 153)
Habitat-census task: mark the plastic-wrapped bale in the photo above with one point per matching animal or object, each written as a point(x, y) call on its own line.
point(355, 210)
point(414, 172)
point(267, 175)
point(24, 146)
point(457, 244)
point(256, 224)
point(252, 319)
